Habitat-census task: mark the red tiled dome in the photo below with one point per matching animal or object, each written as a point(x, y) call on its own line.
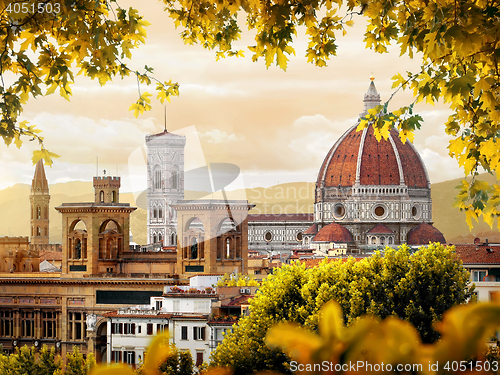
point(378, 161)
point(333, 233)
point(359, 157)
point(380, 229)
point(313, 229)
point(424, 233)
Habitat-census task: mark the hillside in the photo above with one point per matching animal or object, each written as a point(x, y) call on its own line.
point(284, 198)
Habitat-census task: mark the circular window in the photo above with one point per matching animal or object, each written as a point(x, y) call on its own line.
point(339, 211)
point(414, 211)
point(379, 211)
point(299, 236)
point(268, 236)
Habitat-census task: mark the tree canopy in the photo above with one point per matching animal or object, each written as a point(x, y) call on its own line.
point(418, 288)
point(44, 44)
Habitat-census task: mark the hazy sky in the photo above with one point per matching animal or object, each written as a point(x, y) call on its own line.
point(276, 126)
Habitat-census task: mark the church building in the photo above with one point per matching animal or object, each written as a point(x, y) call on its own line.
point(371, 192)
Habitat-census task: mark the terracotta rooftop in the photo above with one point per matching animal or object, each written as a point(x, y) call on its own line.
point(380, 228)
point(50, 255)
point(333, 233)
point(242, 300)
point(424, 233)
point(313, 229)
point(39, 182)
point(115, 314)
point(478, 254)
point(281, 217)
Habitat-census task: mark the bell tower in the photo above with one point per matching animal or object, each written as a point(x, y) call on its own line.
point(39, 199)
point(165, 166)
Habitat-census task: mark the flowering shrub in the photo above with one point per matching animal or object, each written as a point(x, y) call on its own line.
point(176, 289)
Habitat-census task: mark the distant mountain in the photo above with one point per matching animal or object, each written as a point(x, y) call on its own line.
point(451, 221)
point(295, 197)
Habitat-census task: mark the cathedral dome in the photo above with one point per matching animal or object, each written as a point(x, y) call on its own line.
point(357, 158)
point(363, 182)
point(424, 233)
point(333, 233)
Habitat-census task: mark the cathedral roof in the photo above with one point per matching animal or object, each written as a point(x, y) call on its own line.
point(313, 229)
point(380, 229)
point(424, 233)
point(333, 233)
point(357, 158)
point(39, 182)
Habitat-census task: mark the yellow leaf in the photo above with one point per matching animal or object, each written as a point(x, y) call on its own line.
point(297, 342)
point(331, 324)
point(116, 369)
point(281, 59)
point(158, 352)
point(362, 124)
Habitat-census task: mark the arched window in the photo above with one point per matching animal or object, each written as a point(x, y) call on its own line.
point(174, 240)
point(228, 248)
point(78, 249)
point(194, 248)
point(38, 213)
point(155, 213)
point(175, 180)
point(113, 199)
point(154, 238)
point(38, 231)
point(101, 196)
point(157, 180)
point(160, 213)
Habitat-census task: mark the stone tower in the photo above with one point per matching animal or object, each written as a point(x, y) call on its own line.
point(165, 165)
point(39, 199)
point(96, 234)
point(107, 189)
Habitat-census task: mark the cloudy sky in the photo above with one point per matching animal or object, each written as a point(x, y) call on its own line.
point(275, 126)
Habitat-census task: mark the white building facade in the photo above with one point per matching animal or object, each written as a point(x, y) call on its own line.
point(165, 173)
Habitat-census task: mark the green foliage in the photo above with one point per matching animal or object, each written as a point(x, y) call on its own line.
point(237, 280)
point(418, 288)
point(391, 342)
point(77, 365)
point(178, 363)
point(92, 38)
point(25, 362)
point(48, 362)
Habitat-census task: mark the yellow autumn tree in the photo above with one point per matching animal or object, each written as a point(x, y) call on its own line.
point(44, 44)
